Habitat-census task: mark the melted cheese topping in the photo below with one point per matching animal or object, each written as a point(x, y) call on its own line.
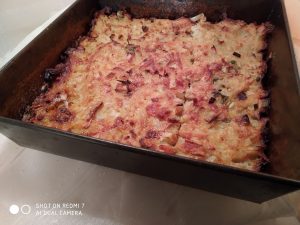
point(185, 87)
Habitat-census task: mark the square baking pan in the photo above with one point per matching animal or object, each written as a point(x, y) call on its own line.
point(21, 81)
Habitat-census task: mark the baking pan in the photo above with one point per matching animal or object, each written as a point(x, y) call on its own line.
point(21, 81)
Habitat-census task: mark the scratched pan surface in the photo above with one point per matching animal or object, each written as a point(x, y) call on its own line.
point(20, 82)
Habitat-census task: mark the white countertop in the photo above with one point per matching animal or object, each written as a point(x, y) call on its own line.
point(107, 196)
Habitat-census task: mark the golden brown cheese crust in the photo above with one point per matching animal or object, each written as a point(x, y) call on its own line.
point(185, 87)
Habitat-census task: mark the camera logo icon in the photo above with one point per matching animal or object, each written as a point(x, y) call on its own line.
point(15, 209)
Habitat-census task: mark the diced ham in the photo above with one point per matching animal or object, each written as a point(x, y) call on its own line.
point(215, 67)
point(199, 102)
point(119, 122)
point(152, 134)
point(146, 143)
point(133, 134)
point(174, 61)
point(63, 115)
point(194, 149)
point(180, 83)
point(149, 66)
point(173, 120)
point(194, 116)
point(167, 149)
point(40, 117)
point(121, 88)
point(188, 135)
point(166, 82)
point(156, 110)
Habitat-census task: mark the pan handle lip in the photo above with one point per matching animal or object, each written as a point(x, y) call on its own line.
point(196, 163)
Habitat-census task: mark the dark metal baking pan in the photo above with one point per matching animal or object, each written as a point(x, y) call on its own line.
point(20, 82)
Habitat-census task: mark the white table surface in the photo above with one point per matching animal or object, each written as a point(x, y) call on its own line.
point(107, 196)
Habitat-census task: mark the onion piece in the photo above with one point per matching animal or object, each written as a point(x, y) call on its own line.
point(198, 17)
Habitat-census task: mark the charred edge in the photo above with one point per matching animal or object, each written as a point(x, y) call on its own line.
point(265, 81)
point(28, 114)
point(266, 134)
point(266, 137)
point(269, 27)
point(266, 110)
point(63, 57)
point(105, 11)
point(109, 11)
point(127, 11)
point(217, 15)
point(51, 74)
point(93, 23)
point(266, 78)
